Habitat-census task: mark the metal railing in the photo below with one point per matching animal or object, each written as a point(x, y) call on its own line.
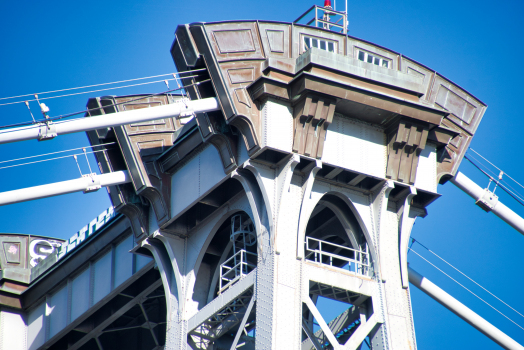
point(331, 254)
point(235, 267)
point(322, 16)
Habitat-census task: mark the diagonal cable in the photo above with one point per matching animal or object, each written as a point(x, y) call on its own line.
point(454, 280)
point(47, 154)
point(496, 167)
point(45, 160)
point(114, 82)
point(469, 278)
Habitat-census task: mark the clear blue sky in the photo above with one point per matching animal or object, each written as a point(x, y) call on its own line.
point(477, 44)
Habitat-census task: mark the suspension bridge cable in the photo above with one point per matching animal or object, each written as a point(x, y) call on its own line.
point(510, 193)
point(463, 274)
point(45, 160)
point(496, 167)
point(114, 82)
point(99, 108)
point(494, 177)
point(47, 154)
point(454, 280)
point(87, 92)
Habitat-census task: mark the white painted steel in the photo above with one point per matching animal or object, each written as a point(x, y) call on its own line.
point(64, 187)
point(235, 268)
point(369, 155)
point(462, 311)
point(12, 330)
point(179, 109)
point(475, 191)
point(427, 169)
point(277, 125)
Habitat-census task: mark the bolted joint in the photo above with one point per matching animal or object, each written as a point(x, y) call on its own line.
point(94, 183)
point(488, 201)
point(47, 131)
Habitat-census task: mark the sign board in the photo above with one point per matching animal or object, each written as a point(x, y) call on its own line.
point(86, 231)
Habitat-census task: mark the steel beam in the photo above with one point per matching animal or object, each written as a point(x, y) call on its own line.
point(98, 329)
point(212, 308)
point(462, 311)
point(476, 192)
point(43, 131)
point(243, 323)
point(86, 183)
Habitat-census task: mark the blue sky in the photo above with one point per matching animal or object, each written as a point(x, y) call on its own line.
point(477, 44)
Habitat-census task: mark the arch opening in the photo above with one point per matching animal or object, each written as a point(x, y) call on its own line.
point(335, 238)
point(230, 256)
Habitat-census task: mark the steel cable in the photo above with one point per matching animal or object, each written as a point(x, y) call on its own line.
point(463, 274)
point(454, 280)
point(98, 108)
point(114, 82)
point(47, 154)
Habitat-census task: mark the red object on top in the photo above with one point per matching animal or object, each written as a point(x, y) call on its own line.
point(327, 3)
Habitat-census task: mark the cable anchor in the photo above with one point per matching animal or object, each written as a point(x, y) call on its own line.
point(47, 131)
point(95, 183)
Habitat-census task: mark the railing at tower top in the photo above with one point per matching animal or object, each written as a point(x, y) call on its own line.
point(325, 17)
point(234, 268)
point(328, 253)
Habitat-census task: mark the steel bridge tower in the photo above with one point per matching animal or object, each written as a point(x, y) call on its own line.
point(303, 187)
point(287, 180)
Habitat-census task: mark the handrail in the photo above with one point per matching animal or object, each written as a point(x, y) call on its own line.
point(325, 11)
point(360, 262)
point(235, 272)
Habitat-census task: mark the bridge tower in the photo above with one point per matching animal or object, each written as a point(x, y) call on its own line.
point(300, 192)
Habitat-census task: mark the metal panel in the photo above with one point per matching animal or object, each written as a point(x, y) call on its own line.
point(277, 126)
point(57, 311)
point(12, 331)
point(427, 169)
point(102, 277)
point(196, 177)
point(275, 39)
point(367, 143)
point(80, 294)
point(265, 301)
point(182, 196)
point(400, 337)
point(141, 261)
point(211, 169)
point(123, 261)
point(36, 327)
point(234, 40)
